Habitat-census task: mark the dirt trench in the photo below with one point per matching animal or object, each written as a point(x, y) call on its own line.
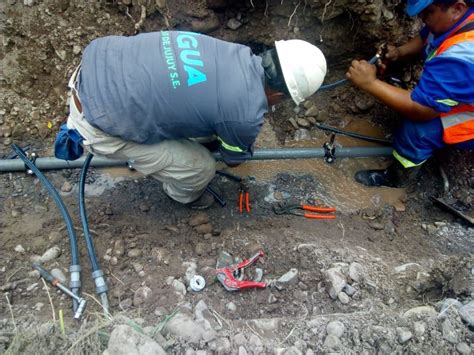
point(394, 251)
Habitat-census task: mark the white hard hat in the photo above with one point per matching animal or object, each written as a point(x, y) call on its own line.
point(303, 66)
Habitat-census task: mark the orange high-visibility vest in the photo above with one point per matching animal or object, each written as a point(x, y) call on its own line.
point(458, 123)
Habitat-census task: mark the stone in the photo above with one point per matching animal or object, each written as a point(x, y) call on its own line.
point(134, 253)
point(290, 278)
point(463, 349)
point(466, 313)
point(323, 116)
point(332, 342)
point(419, 328)
point(204, 228)
point(302, 134)
point(184, 327)
point(231, 306)
point(179, 287)
point(302, 122)
point(343, 298)
point(141, 295)
point(206, 25)
point(403, 335)
point(66, 186)
point(119, 247)
point(449, 332)
point(356, 272)
point(19, 249)
point(335, 328)
point(234, 24)
point(335, 282)
point(293, 122)
point(420, 312)
point(125, 340)
point(308, 104)
point(198, 219)
point(449, 303)
point(349, 290)
point(50, 254)
point(414, 267)
point(223, 345)
point(312, 111)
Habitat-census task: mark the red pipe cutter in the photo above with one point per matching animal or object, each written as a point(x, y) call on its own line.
point(227, 275)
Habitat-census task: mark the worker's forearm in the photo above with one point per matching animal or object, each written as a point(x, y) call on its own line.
point(411, 48)
point(400, 100)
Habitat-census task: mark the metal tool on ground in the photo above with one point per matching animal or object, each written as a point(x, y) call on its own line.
point(82, 302)
point(228, 273)
point(244, 186)
point(300, 210)
point(216, 195)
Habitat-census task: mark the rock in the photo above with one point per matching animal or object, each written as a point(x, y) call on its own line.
point(332, 342)
point(206, 25)
point(376, 226)
point(242, 351)
point(256, 344)
point(272, 299)
point(234, 24)
point(134, 253)
point(290, 278)
point(307, 104)
point(66, 186)
point(204, 228)
point(419, 328)
point(302, 134)
point(302, 122)
point(349, 290)
point(28, 2)
point(179, 288)
point(137, 267)
point(414, 267)
point(76, 49)
point(19, 249)
point(356, 272)
point(312, 111)
point(125, 340)
point(50, 254)
point(144, 207)
point(184, 327)
point(119, 247)
point(201, 248)
point(141, 295)
point(463, 349)
point(223, 346)
point(335, 328)
point(466, 313)
point(57, 273)
point(335, 282)
point(293, 122)
point(231, 306)
point(323, 116)
point(449, 332)
point(420, 312)
point(343, 298)
point(449, 303)
point(403, 335)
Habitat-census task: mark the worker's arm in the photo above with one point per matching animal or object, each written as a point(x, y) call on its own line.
point(363, 75)
point(409, 49)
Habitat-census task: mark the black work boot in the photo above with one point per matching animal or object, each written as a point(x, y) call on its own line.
point(394, 176)
point(205, 201)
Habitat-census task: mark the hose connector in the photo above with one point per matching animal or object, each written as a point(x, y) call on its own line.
point(75, 284)
point(101, 288)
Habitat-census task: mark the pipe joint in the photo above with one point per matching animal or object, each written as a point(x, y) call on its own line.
point(75, 271)
point(100, 284)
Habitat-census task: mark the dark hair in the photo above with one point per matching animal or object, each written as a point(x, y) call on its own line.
point(444, 4)
point(273, 74)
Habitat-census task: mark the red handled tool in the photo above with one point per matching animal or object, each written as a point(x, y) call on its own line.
point(295, 209)
point(227, 275)
point(244, 199)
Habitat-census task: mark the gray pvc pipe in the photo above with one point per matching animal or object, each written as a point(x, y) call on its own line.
point(50, 163)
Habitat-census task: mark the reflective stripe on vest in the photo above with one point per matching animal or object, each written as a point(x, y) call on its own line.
point(458, 123)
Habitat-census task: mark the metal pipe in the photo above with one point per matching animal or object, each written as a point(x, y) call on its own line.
point(50, 163)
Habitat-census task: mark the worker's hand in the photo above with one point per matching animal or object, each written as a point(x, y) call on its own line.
point(362, 74)
point(393, 53)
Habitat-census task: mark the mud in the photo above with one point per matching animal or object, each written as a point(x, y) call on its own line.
point(407, 252)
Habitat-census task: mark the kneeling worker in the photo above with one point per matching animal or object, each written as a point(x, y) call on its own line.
point(440, 110)
point(142, 98)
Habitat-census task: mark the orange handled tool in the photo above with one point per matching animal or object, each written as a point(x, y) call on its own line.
point(295, 209)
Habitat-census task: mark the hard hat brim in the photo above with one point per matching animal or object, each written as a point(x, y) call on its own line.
point(417, 7)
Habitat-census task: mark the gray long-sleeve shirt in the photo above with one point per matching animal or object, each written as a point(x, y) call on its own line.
point(170, 85)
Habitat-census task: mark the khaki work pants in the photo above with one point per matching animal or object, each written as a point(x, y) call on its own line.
point(184, 167)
